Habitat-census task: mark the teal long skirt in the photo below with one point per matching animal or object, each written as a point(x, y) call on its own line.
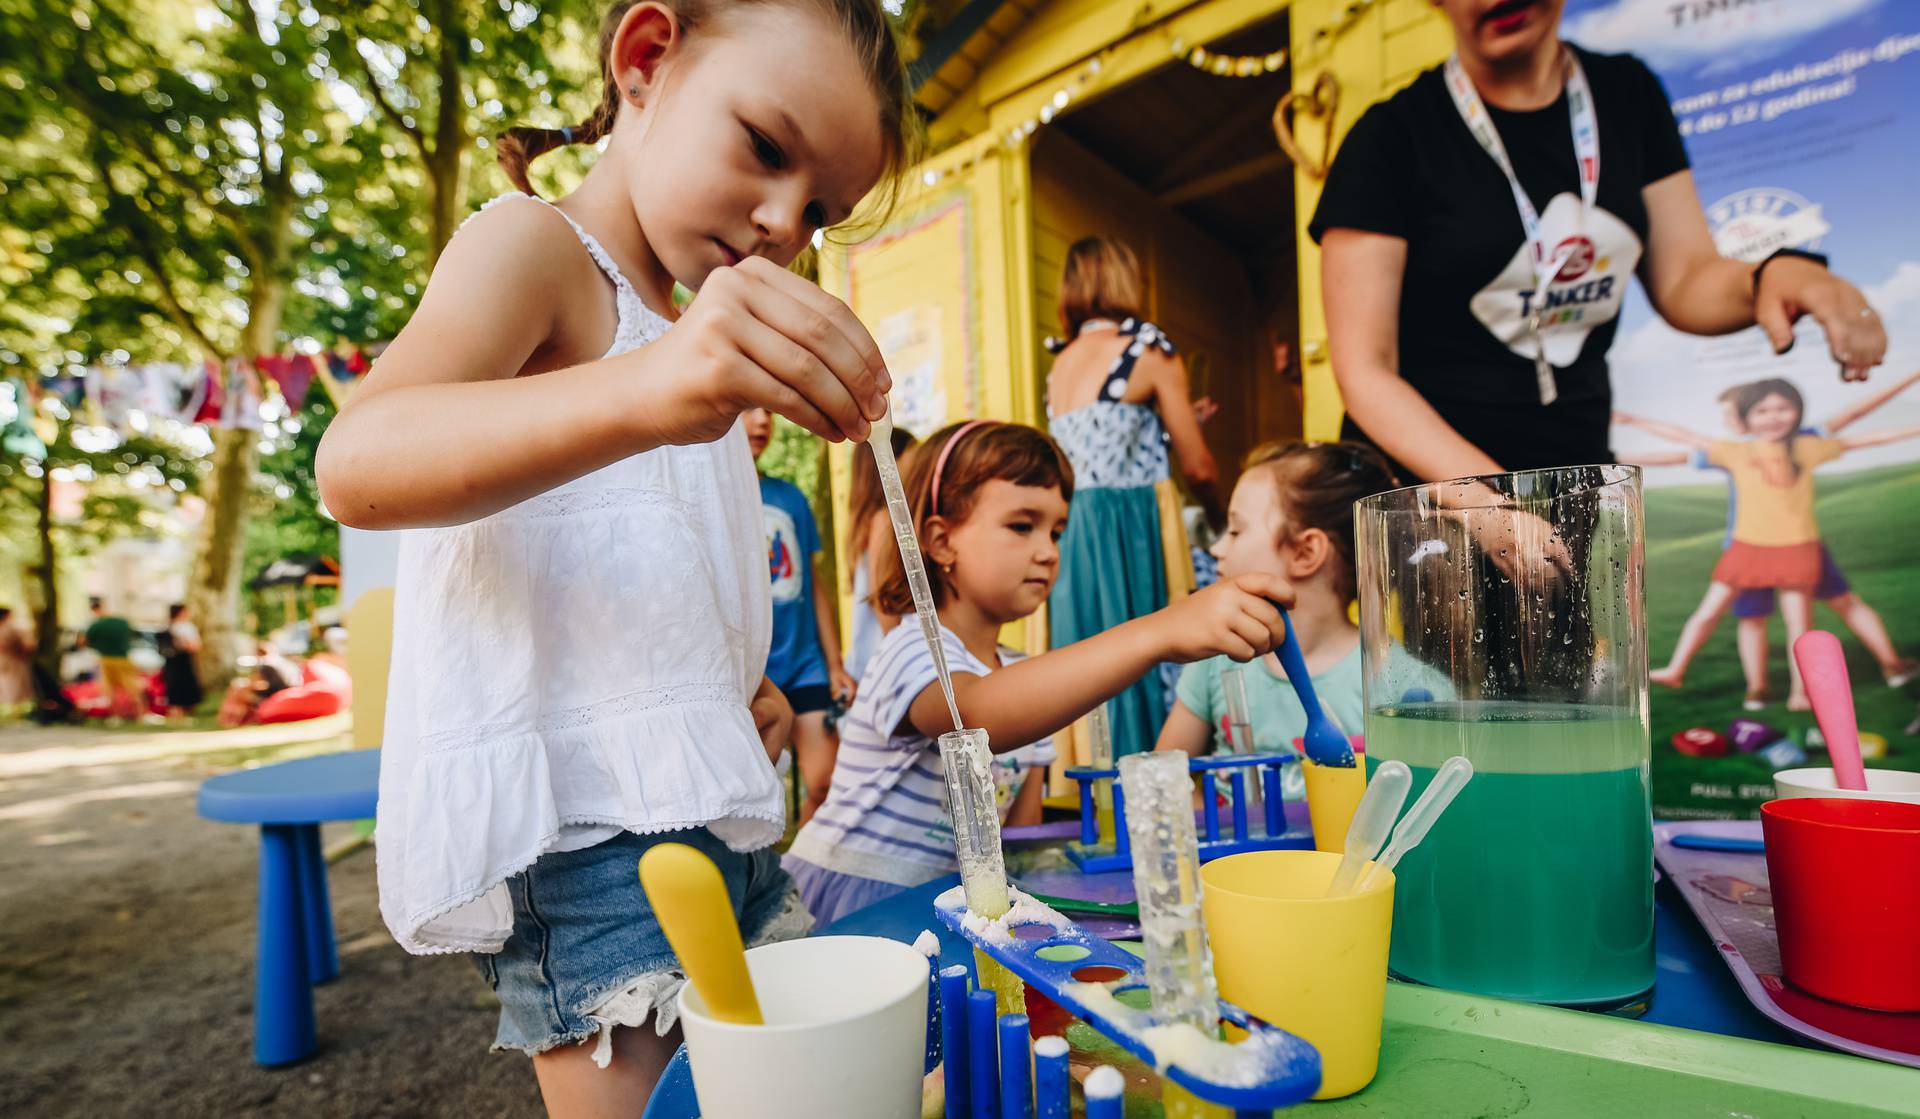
point(1112, 570)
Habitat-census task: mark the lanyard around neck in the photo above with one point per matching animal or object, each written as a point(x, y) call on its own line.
point(1586, 151)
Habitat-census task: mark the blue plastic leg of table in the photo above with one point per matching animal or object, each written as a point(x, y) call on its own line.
point(282, 995)
point(316, 906)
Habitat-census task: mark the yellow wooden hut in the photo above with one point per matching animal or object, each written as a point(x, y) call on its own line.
point(1157, 121)
point(1196, 130)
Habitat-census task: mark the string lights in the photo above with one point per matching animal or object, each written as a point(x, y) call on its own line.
point(1200, 58)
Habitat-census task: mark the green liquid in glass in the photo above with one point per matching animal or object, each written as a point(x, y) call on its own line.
point(1537, 883)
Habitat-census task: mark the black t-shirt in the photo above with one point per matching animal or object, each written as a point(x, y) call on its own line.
point(1411, 169)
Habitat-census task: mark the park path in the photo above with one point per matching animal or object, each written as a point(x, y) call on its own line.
point(126, 949)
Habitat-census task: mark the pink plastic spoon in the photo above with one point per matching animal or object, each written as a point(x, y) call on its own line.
point(1823, 668)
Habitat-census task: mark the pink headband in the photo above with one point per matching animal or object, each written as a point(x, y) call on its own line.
point(940, 464)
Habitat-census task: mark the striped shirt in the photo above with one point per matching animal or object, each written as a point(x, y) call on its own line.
point(885, 817)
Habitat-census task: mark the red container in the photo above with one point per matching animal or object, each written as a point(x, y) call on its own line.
point(1845, 876)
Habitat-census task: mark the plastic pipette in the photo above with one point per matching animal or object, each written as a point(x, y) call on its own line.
point(1372, 822)
point(881, 441)
point(1446, 784)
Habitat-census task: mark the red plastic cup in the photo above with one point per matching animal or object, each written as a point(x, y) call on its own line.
point(1845, 876)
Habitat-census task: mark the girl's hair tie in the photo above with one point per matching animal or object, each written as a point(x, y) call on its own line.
point(940, 464)
point(566, 134)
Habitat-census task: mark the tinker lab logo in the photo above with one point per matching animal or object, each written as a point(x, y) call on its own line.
point(1601, 252)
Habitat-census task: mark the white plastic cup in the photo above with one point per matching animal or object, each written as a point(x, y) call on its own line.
point(845, 1033)
point(1818, 781)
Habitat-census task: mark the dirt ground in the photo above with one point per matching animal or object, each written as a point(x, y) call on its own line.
point(127, 948)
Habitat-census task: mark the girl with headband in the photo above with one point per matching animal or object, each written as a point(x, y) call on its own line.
point(990, 503)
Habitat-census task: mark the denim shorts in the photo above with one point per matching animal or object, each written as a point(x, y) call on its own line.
point(586, 953)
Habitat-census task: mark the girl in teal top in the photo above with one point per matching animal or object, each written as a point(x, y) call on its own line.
point(1291, 515)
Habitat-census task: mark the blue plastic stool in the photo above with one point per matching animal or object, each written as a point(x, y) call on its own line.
point(296, 949)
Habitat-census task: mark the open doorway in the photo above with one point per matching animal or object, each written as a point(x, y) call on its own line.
point(1183, 166)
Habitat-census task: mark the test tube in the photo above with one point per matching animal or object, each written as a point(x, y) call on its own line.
point(968, 765)
point(1100, 746)
point(1166, 880)
point(1233, 686)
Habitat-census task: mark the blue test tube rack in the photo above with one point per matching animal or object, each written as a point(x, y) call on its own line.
point(1241, 771)
point(1270, 1069)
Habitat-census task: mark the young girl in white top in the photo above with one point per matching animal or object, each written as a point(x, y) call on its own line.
point(581, 620)
point(990, 502)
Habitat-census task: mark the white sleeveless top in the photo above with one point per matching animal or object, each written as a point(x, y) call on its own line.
point(577, 664)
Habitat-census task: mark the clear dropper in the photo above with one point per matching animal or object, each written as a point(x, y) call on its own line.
point(881, 440)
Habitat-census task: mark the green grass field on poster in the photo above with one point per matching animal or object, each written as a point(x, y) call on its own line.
point(1871, 521)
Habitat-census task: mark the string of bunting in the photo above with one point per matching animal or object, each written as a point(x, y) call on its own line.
point(131, 398)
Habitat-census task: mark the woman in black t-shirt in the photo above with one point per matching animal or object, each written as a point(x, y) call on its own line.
point(1434, 325)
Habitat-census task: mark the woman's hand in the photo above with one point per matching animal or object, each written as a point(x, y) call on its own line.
point(772, 717)
point(758, 336)
point(842, 684)
point(1239, 617)
point(1521, 544)
point(1791, 287)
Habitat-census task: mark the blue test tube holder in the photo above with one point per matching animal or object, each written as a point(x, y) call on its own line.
point(1269, 1069)
point(1241, 771)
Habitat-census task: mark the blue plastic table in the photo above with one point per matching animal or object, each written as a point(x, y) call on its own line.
point(296, 948)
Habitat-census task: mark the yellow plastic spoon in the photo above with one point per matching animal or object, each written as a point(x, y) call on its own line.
point(690, 902)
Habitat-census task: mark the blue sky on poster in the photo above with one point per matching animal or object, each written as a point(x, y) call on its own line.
point(1804, 104)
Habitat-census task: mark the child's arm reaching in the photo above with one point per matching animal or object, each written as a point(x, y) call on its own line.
point(1671, 432)
point(1846, 416)
point(1025, 702)
point(1656, 458)
point(445, 430)
point(1879, 438)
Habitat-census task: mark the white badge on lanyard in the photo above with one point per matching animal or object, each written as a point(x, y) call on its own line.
point(1586, 151)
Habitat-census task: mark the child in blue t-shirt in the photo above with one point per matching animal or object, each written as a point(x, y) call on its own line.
point(804, 659)
point(1291, 515)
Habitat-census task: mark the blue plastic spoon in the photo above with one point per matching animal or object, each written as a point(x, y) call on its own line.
point(1326, 743)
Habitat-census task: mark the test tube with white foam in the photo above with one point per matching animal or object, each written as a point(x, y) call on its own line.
point(1166, 880)
point(968, 764)
point(1100, 746)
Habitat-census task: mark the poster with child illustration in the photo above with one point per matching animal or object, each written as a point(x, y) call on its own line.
point(1779, 498)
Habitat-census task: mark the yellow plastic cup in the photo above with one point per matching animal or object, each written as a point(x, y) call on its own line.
point(1312, 965)
point(1333, 795)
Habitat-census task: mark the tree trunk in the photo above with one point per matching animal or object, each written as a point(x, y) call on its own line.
point(46, 620)
point(447, 164)
point(213, 590)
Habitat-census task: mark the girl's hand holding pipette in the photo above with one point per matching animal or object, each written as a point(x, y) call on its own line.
point(758, 336)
